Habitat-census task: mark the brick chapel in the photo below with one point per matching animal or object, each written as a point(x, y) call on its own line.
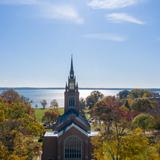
point(70, 139)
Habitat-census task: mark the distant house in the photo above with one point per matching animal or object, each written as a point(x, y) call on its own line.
point(70, 139)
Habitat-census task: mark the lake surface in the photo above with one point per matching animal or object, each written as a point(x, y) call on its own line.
point(37, 95)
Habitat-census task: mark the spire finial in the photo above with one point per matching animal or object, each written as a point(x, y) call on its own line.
point(71, 70)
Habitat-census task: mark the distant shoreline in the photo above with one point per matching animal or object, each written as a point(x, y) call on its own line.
point(81, 88)
point(36, 95)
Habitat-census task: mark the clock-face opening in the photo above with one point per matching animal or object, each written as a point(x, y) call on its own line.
point(72, 75)
point(71, 86)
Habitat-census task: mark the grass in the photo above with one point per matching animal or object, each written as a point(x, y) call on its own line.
point(39, 112)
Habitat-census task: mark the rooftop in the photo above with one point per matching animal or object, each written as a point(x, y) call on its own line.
point(53, 134)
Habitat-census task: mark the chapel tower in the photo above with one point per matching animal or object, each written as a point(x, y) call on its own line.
point(71, 94)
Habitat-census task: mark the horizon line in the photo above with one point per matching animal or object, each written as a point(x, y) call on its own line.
point(87, 88)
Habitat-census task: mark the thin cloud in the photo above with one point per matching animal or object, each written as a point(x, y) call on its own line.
point(123, 17)
point(61, 12)
point(111, 4)
point(106, 37)
point(50, 10)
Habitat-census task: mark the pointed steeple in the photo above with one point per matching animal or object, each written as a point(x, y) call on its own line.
point(71, 69)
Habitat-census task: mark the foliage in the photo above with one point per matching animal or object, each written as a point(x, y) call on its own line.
point(82, 103)
point(3, 151)
point(123, 94)
point(50, 116)
point(137, 93)
point(54, 104)
point(116, 117)
point(18, 128)
point(143, 105)
point(110, 113)
point(93, 98)
point(2, 118)
point(144, 121)
point(157, 122)
point(136, 146)
point(133, 146)
point(39, 113)
point(44, 103)
point(140, 93)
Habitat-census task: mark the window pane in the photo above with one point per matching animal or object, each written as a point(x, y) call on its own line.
point(72, 148)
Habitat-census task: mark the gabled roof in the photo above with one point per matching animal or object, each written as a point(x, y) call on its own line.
point(73, 112)
point(72, 125)
point(63, 127)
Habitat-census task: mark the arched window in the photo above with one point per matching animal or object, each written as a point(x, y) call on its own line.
point(71, 102)
point(72, 148)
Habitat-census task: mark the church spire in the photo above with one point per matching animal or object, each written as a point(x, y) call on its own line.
point(71, 69)
point(71, 91)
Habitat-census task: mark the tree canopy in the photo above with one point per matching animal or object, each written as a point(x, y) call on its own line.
point(122, 122)
point(93, 98)
point(18, 128)
point(144, 121)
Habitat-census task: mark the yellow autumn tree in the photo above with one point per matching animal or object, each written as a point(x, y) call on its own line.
point(133, 146)
point(136, 146)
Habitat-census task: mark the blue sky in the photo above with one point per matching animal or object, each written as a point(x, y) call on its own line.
point(115, 43)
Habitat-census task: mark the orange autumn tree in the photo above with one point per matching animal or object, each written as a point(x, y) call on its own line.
point(50, 116)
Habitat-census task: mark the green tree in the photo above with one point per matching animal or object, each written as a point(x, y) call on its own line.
point(140, 93)
point(144, 121)
point(54, 104)
point(93, 98)
point(44, 103)
point(82, 103)
point(123, 94)
point(142, 105)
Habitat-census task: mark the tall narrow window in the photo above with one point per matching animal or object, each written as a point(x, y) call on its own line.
point(72, 148)
point(71, 102)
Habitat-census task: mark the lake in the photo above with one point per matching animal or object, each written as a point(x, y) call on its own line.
point(37, 95)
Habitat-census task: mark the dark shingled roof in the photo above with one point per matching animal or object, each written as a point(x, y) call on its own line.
point(70, 112)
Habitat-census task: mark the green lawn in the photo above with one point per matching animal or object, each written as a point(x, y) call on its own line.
point(39, 112)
